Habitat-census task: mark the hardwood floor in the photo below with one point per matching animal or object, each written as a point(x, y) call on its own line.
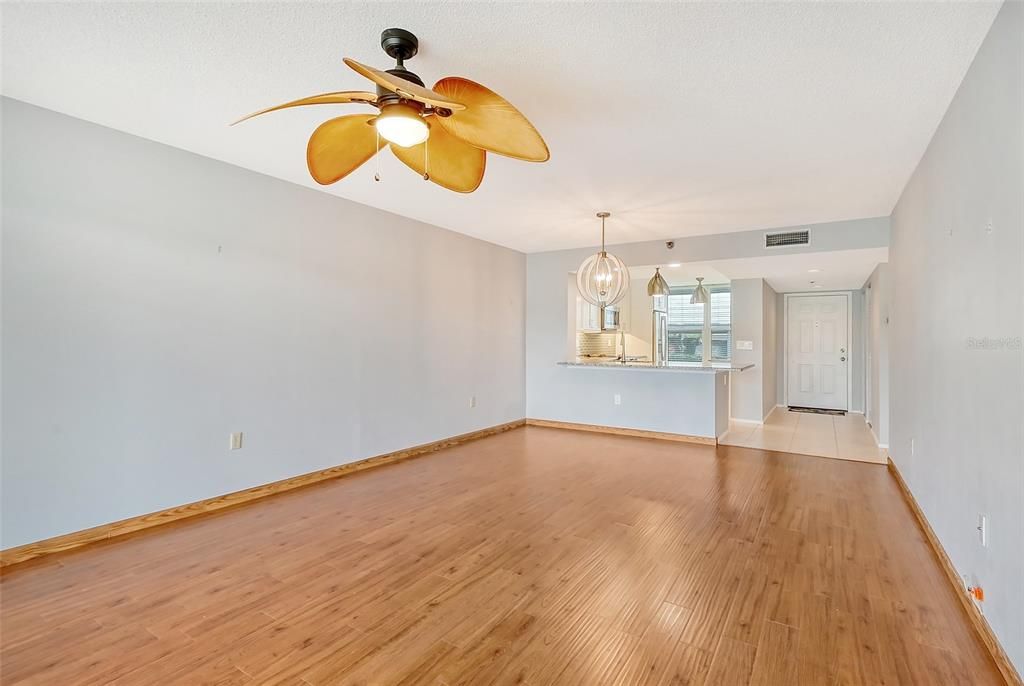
point(538, 556)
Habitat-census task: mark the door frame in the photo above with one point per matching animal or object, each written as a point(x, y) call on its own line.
point(849, 338)
point(866, 330)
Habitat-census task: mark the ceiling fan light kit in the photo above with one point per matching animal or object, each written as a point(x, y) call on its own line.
point(401, 124)
point(602, 279)
point(443, 133)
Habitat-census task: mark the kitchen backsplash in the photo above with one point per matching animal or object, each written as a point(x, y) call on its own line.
point(596, 343)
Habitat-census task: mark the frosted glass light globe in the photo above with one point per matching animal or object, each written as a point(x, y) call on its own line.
point(602, 279)
point(402, 125)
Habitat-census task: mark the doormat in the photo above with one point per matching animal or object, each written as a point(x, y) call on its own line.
point(817, 410)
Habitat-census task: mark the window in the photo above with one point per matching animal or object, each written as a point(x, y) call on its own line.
point(689, 326)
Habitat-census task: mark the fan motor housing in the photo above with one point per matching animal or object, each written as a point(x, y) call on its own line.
point(403, 73)
point(399, 44)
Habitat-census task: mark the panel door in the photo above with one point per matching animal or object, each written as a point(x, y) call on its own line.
point(818, 352)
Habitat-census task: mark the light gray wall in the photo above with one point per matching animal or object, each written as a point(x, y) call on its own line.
point(747, 307)
point(155, 301)
point(780, 348)
point(957, 319)
point(769, 351)
point(876, 323)
point(857, 351)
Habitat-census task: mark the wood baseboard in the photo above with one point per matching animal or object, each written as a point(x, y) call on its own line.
point(977, 619)
point(619, 431)
point(104, 532)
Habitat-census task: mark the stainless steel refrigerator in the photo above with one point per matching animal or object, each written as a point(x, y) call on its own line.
point(659, 330)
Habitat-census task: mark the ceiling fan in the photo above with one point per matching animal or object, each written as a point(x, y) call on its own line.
point(443, 133)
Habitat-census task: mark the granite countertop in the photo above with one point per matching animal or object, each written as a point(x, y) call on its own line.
point(648, 366)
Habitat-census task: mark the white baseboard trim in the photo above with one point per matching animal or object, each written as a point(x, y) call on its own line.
point(871, 428)
point(756, 421)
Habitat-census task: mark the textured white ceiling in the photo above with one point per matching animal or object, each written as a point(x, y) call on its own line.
point(682, 119)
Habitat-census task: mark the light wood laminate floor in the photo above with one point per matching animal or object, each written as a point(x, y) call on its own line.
point(538, 556)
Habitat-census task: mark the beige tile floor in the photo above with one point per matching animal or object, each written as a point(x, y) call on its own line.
point(846, 438)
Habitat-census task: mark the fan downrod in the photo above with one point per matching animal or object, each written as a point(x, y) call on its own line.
point(399, 44)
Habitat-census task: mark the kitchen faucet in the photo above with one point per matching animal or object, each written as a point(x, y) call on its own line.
point(622, 344)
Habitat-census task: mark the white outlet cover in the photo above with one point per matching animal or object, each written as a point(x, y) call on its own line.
point(618, 399)
point(744, 345)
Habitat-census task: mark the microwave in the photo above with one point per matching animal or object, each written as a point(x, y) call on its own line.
point(611, 318)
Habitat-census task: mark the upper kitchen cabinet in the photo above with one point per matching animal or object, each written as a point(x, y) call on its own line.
point(593, 319)
point(588, 317)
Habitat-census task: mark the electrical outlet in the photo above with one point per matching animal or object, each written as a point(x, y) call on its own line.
point(235, 441)
point(618, 399)
point(976, 592)
point(472, 401)
point(983, 530)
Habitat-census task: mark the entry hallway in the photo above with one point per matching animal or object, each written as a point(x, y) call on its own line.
point(846, 437)
point(538, 556)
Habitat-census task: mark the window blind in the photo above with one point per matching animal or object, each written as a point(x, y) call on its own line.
point(687, 325)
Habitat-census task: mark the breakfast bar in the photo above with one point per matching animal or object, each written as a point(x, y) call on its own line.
point(689, 401)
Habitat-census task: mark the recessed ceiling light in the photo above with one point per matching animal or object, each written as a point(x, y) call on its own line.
point(675, 264)
point(813, 271)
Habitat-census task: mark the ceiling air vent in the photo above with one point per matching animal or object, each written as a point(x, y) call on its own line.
point(785, 239)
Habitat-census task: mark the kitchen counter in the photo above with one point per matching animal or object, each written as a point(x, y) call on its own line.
point(691, 367)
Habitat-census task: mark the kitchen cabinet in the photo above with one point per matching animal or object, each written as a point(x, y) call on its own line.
point(588, 317)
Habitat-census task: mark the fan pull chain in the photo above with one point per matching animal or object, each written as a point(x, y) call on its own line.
point(376, 173)
point(426, 160)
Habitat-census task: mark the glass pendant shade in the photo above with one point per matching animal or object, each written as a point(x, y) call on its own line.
point(657, 285)
point(700, 294)
point(402, 125)
point(602, 279)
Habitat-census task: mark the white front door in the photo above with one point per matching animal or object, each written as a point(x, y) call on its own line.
point(817, 351)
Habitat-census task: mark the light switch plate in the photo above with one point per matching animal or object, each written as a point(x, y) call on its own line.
point(744, 345)
point(236, 441)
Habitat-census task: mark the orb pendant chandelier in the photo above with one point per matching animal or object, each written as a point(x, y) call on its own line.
point(602, 279)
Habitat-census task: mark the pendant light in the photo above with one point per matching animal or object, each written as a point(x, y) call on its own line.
point(657, 285)
point(602, 279)
point(700, 294)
